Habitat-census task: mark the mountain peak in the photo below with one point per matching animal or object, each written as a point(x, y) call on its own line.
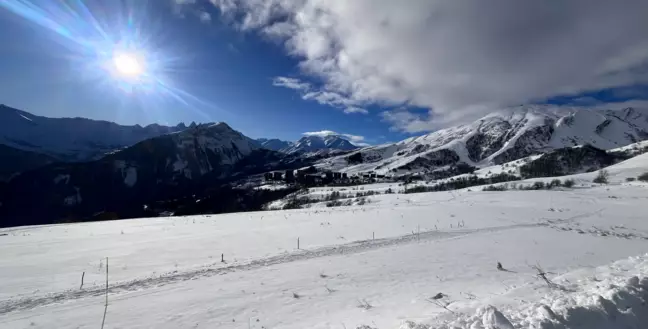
point(274, 144)
point(315, 143)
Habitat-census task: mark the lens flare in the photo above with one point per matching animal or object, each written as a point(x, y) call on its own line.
point(129, 66)
point(114, 44)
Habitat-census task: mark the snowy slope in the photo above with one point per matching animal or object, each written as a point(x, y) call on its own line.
point(618, 174)
point(500, 137)
point(356, 266)
point(71, 139)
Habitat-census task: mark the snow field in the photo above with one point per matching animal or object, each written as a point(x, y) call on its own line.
point(154, 246)
point(162, 276)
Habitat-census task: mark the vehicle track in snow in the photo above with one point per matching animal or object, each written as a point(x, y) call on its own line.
point(25, 303)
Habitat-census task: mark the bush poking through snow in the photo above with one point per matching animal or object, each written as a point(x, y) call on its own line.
point(296, 203)
point(333, 196)
point(630, 179)
point(554, 183)
point(569, 183)
point(495, 188)
point(334, 203)
point(602, 177)
point(643, 177)
point(543, 275)
point(364, 304)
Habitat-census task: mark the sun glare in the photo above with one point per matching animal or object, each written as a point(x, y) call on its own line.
point(128, 65)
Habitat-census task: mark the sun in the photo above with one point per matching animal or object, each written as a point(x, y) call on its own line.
point(128, 65)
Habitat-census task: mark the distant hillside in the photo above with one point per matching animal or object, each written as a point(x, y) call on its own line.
point(71, 139)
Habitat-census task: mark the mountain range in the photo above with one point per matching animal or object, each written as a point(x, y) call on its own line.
point(165, 167)
point(499, 137)
point(274, 144)
point(313, 144)
point(71, 139)
point(123, 169)
point(29, 141)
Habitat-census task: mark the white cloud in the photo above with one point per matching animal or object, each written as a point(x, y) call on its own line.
point(637, 103)
point(324, 97)
point(354, 139)
point(205, 17)
point(321, 133)
point(353, 109)
point(459, 58)
point(403, 120)
point(290, 83)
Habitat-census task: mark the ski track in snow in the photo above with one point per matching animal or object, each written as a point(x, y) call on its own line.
point(19, 304)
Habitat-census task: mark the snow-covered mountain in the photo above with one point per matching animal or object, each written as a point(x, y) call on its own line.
point(71, 139)
point(274, 144)
point(311, 144)
point(500, 137)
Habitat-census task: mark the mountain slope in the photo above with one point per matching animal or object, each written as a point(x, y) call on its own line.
point(274, 144)
point(15, 161)
point(310, 144)
point(500, 137)
point(166, 167)
point(71, 139)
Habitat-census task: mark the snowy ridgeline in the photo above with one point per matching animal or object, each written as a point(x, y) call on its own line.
point(499, 137)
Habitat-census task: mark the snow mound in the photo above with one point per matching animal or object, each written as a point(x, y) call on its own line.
point(608, 297)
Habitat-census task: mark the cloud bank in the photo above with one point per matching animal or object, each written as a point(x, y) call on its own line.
point(459, 59)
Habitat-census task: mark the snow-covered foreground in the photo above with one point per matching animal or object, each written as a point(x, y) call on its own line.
point(377, 265)
point(611, 296)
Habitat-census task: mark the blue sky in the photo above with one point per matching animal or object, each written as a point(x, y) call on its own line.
point(380, 71)
point(229, 75)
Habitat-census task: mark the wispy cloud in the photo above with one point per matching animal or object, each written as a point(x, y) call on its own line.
point(459, 59)
point(406, 121)
point(354, 139)
point(291, 83)
point(324, 97)
point(353, 109)
point(205, 17)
